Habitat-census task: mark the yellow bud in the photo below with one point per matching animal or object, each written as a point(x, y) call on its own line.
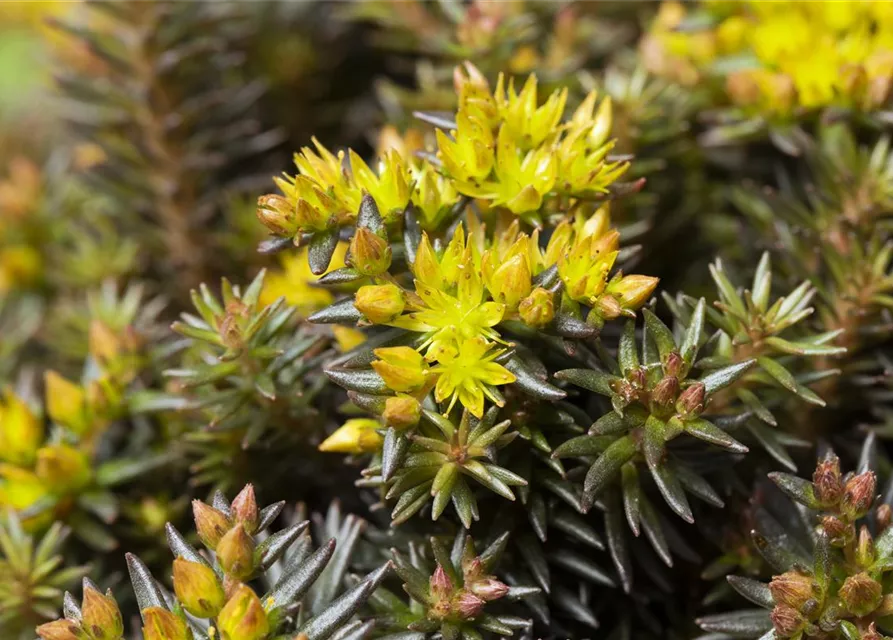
point(633, 291)
point(101, 616)
point(210, 523)
point(402, 412)
point(20, 431)
point(235, 552)
point(197, 588)
point(277, 214)
point(243, 617)
point(66, 402)
point(402, 368)
point(60, 630)
point(161, 624)
point(244, 508)
point(607, 307)
point(370, 254)
point(354, 436)
point(62, 469)
point(601, 127)
point(537, 309)
point(510, 282)
point(380, 303)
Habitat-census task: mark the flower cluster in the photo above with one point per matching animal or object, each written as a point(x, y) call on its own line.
point(780, 58)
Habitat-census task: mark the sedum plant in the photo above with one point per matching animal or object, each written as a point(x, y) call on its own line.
point(553, 312)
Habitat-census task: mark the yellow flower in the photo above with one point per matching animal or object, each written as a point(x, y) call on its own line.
point(528, 124)
point(20, 490)
point(62, 469)
point(348, 338)
point(402, 368)
point(20, 431)
point(66, 402)
point(359, 435)
point(450, 295)
point(294, 282)
point(468, 373)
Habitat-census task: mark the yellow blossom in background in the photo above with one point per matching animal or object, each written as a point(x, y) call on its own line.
point(783, 55)
point(348, 338)
point(294, 281)
point(359, 435)
point(21, 432)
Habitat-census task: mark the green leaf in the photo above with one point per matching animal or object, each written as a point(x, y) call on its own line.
point(796, 488)
point(762, 283)
point(393, 453)
point(727, 291)
point(671, 489)
point(146, 401)
point(753, 403)
point(659, 333)
point(608, 466)
point(579, 446)
point(292, 585)
point(341, 312)
point(265, 386)
point(252, 293)
point(272, 548)
point(738, 624)
point(531, 384)
point(692, 339)
point(362, 380)
point(709, 432)
point(611, 423)
point(631, 496)
point(122, 470)
point(342, 609)
point(803, 348)
point(145, 588)
point(591, 379)
point(754, 590)
point(582, 566)
point(721, 378)
point(626, 352)
point(618, 546)
point(321, 250)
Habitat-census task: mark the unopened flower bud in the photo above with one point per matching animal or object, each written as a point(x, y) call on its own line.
point(359, 435)
point(380, 303)
point(489, 589)
point(858, 494)
point(244, 508)
point(510, 281)
point(872, 633)
point(277, 214)
point(243, 617)
point(403, 368)
point(235, 552)
point(197, 588)
point(787, 621)
point(665, 392)
point(104, 344)
point(467, 605)
point(161, 624)
point(633, 291)
point(538, 309)
point(402, 412)
point(691, 400)
point(673, 365)
point(860, 594)
point(369, 253)
point(62, 468)
point(100, 615)
point(441, 585)
point(61, 630)
point(792, 589)
point(884, 515)
point(865, 548)
point(210, 523)
point(742, 88)
point(607, 307)
point(838, 531)
point(826, 481)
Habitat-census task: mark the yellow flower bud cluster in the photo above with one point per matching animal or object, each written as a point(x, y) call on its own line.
point(796, 55)
point(511, 152)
